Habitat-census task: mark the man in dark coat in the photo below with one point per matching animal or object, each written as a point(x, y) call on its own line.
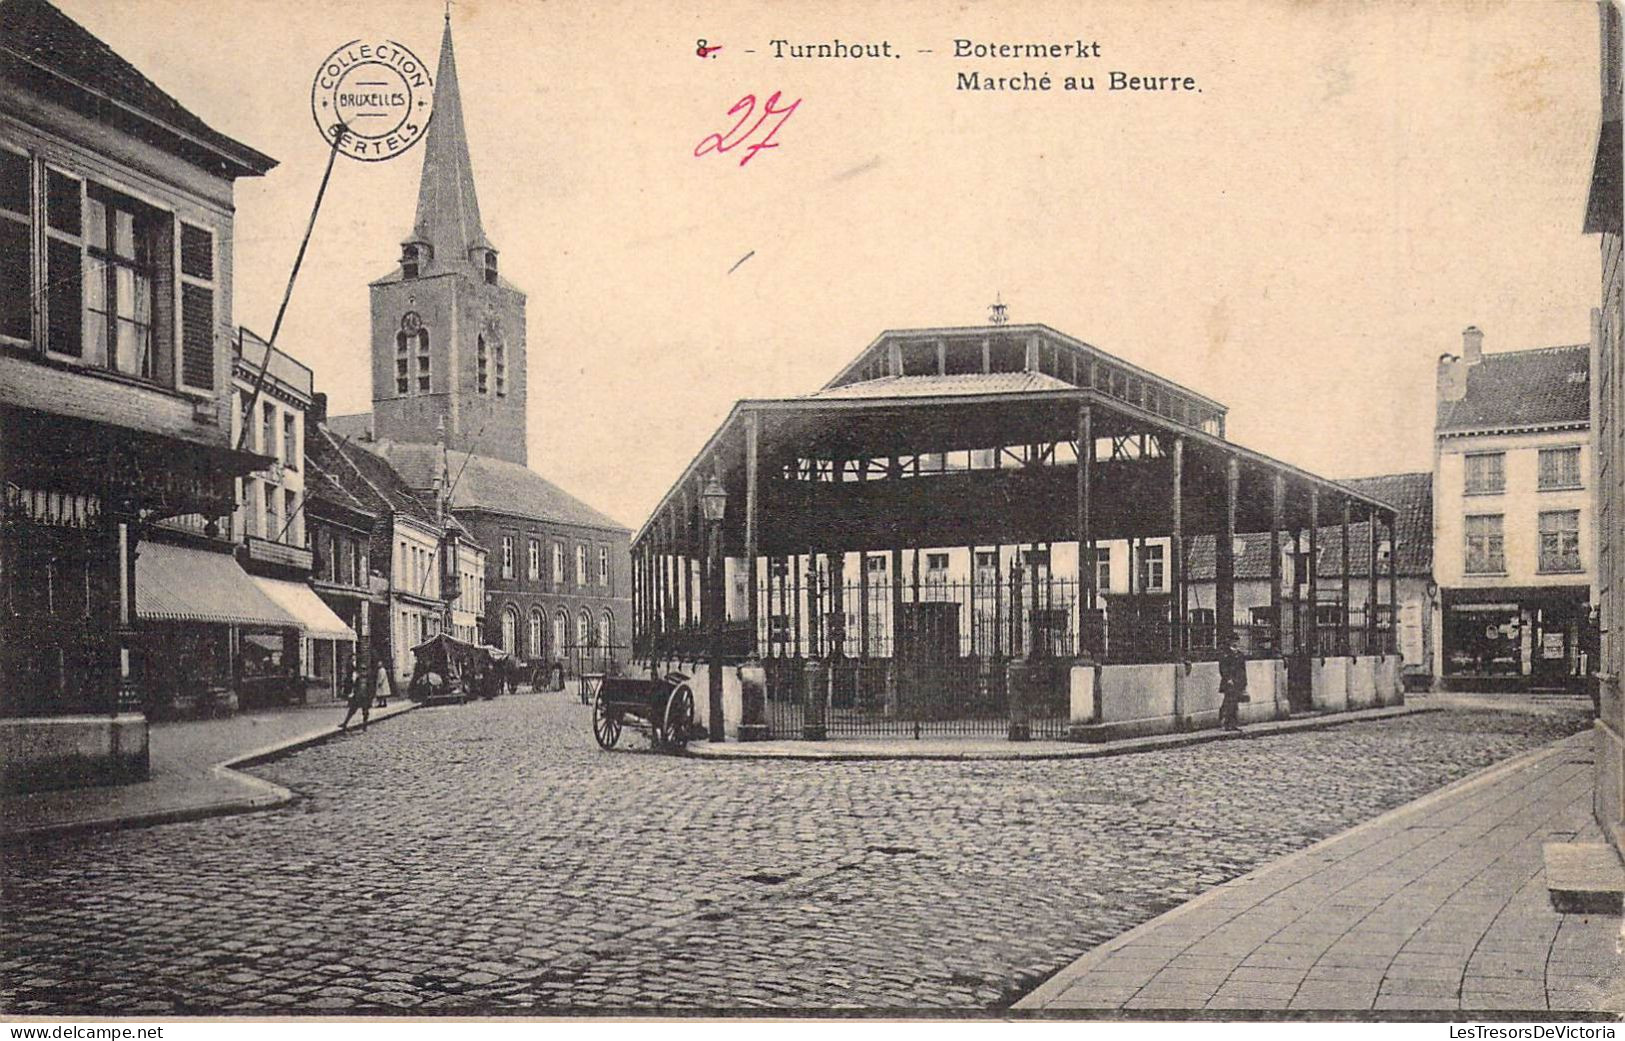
point(1232, 682)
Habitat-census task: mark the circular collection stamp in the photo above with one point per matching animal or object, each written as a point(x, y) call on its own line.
point(376, 97)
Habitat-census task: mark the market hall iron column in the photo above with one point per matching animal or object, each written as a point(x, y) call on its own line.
point(753, 506)
point(1277, 505)
point(1086, 537)
point(1343, 615)
point(1313, 614)
point(1393, 583)
point(1177, 550)
point(1371, 580)
point(1224, 592)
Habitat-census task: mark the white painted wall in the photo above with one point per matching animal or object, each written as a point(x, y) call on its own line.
point(1520, 504)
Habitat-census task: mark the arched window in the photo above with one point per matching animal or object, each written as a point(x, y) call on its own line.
point(584, 634)
point(510, 630)
point(561, 633)
point(423, 361)
point(606, 630)
point(534, 650)
point(483, 362)
point(502, 368)
point(403, 378)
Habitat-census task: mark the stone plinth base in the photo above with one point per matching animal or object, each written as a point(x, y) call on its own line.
point(40, 753)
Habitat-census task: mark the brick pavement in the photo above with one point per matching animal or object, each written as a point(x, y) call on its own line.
point(489, 859)
point(189, 778)
point(1440, 906)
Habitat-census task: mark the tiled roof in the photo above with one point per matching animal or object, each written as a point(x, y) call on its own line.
point(1411, 495)
point(324, 485)
point(34, 35)
point(1522, 388)
point(495, 485)
point(367, 477)
point(934, 386)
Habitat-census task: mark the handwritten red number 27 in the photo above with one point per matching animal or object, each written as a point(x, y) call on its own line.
point(726, 142)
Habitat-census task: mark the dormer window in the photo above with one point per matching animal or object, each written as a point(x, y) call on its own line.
point(490, 267)
point(409, 261)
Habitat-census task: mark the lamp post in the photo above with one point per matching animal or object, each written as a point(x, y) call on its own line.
point(713, 504)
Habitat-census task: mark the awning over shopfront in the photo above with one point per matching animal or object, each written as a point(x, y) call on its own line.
point(314, 617)
point(181, 584)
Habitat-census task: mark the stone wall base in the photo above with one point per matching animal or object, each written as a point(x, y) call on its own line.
point(47, 752)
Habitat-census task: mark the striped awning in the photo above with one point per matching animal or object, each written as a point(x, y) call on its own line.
point(182, 584)
point(299, 600)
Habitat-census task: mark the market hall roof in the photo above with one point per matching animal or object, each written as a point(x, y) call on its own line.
point(52, 55)
point(1511, 390)
point(1031, 397)
point(930, 386)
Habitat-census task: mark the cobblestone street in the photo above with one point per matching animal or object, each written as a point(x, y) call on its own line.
point(489, 858)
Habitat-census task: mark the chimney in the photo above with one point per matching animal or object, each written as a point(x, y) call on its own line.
point(317, 413)
point(1452, 378)
point(1472, 345)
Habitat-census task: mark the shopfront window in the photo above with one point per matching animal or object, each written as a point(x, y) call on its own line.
point(1483, 639)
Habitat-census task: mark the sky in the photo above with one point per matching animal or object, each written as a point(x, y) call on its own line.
point(1353, 184)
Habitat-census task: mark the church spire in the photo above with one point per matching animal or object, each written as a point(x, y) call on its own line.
point(448, 216)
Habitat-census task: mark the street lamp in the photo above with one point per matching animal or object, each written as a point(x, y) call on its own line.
point(713, 505)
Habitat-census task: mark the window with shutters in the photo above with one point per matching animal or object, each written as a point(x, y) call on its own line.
point(64, 264)
point(16, 251)
point(197, 367)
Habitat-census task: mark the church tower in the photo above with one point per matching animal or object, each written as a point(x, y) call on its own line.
point(448, 332)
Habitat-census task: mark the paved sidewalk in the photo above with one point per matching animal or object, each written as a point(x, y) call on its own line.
point(972, 748)
point(192, 773)
point(1439, 907)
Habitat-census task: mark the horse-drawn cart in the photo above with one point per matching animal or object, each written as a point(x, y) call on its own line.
point(448, 670)
point(662, 706)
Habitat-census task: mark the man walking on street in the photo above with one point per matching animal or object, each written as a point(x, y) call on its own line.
point(1232, 682)
point(360, 698)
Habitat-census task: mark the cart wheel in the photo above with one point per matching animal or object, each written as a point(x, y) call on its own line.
point(606, 725)
point(679, 718)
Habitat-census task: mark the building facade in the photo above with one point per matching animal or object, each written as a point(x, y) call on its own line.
point(1603, 219)
point(1514, 508)
point(115, 409)
point(418, 552)
point(340, 528)
point(451, 378)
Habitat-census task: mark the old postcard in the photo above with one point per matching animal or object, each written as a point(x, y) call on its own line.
point(989, 511)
